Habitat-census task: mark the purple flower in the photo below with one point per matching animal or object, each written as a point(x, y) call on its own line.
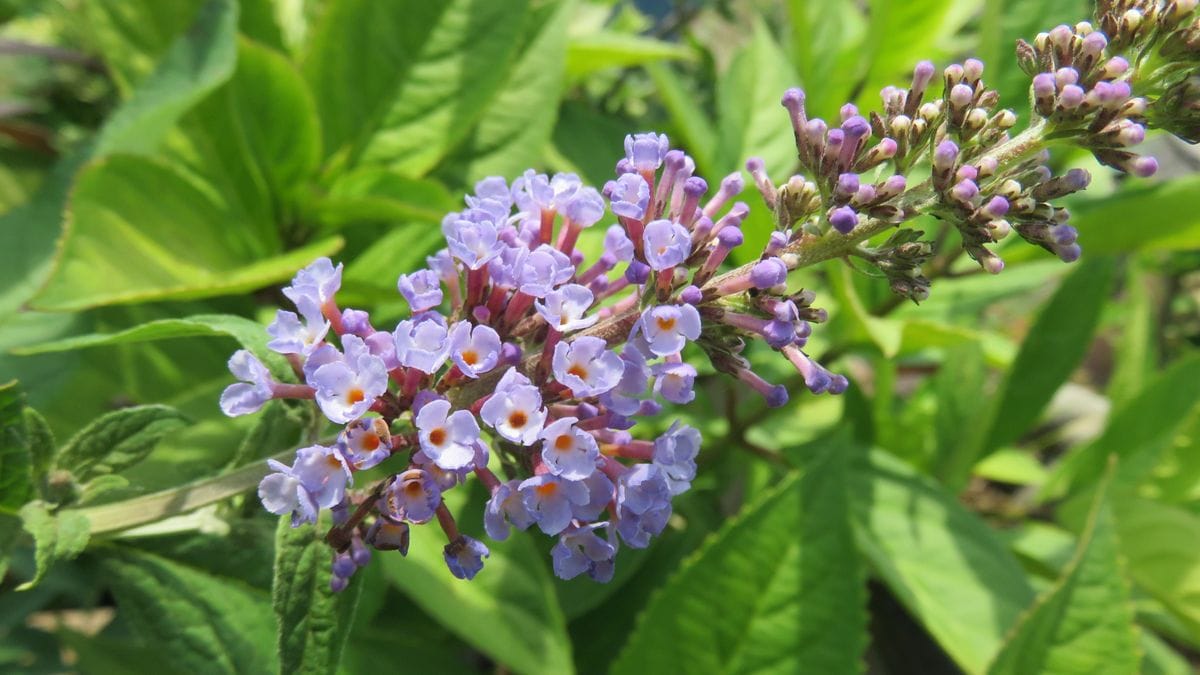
point(506, 506)
point(505, 269)
point(674, 381)
point(290, 336)
point(422, 342)
point(474, 243)
point(584, 207)
point(413, 496)
point(346, 389)
point(442, 264)
point(643, 504)
point(464, 556)
point(447, 438)
point(768, 273)
point(318, 282)
point(492, 195)
point(551, 500)
point(565, 309)
point(645, 151)
point(255, 387)
point(544, 269)
point(625, 398)
point(675, 455)
point(843, 219)
point(365, 442)
point(586, 366)
point(515, 409)
point(667, 328)
point(568, 451)
point(618, 244)
point(422, 289)
point(600, 494)
point(316, 480)
point(474, 349)
point(579, 550)
point(326, 353)
point(629, 195)
point(666, 244)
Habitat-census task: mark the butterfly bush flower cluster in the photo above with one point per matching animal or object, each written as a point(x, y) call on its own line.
point(517, 345)
point(533, 367)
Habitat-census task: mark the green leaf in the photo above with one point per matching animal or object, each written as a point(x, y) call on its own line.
point(508, 611)
point(400, 83)
point(959, 386)
point(256, 139)
point(1138, 432)
point(1158, 542)
point(1084, 624)
point(133, 35)
point(16, 460)
point(955, 576)
point(826, 43)
point(198, 622)
point(57, 536)
point(1104, 222)
point(197, 61)
point(606, 49)
point(1137, 350)
point(521, 117)
point(779, 589)
point(374, 194)
point(697, 132)
point(313, 620)
point(901, 33)
point(751, 123)
point(250, 334)
point(195, 64)
point(118, 440)
point(42, 448)
point(1055, 345)
point(186, 241)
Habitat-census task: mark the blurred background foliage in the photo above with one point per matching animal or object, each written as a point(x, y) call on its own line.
point(166, 165)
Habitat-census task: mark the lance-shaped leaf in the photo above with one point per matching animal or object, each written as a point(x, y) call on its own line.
point(780, 589)
point(948, 568)
point(199, 622)
point(1084, 623)
point(118, 440)
point(313, 620)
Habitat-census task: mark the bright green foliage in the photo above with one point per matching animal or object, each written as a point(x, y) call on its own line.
point(1056, 343)
point(313, 620)
point(1084, 624)
point(56, 537)
point(781, 588)
point(167, 166)
point(947, 567)
point(510, 613)
point(118, 440)
point(230, 627)
point(249, 335)
point(16, 457)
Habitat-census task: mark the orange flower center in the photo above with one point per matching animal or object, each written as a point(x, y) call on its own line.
point(547, 489)
point(355, 395)
point(564, 443)
point(470, 358)
point(370, 442)
point(518, 419)
point(437, 436)
point(578, 371)
point(665, 323)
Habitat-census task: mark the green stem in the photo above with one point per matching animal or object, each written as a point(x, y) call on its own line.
point(130, 513)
